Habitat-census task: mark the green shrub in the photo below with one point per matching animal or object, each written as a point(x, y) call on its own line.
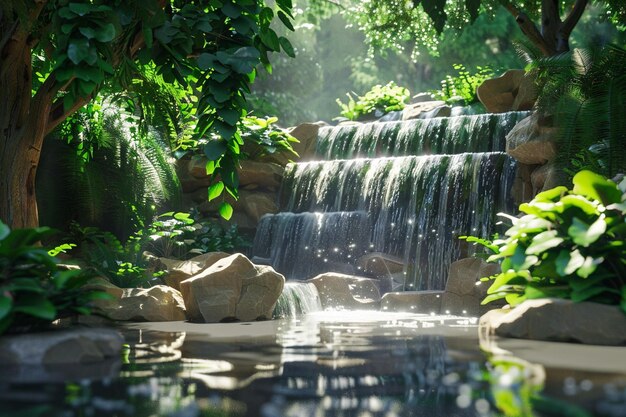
point(269, 138)
point(179, 235)
point(381, 99)
point(568, 244)
point(33, 291)
point(463, 84)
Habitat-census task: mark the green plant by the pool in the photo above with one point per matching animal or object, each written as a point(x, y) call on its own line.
point(381, 99)
point(567, 244)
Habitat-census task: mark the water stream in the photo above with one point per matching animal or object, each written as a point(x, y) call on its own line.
point(407, 189)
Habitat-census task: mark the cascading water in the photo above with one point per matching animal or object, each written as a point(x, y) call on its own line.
point(410, 207)
point(442, 135)
point(297, 298)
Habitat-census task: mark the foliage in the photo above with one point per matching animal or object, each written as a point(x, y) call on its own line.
point(114, 176)
point(101, 251)
point(381, 99)
point(172, 235)
point(586, 91)
point(569, 244)
point(33, 291)
point(181, 236)
point(268, 137)
point(392, 24)
point(210, 48)
point(463, 84)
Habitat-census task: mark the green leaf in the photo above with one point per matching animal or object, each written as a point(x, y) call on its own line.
point(544, 241)
point(5, 306)
point(596, 187)
point(231, 10)
point(551, 195)
point(78, 50)
point(287, 47)
point(4, 230)
point(226, 210)
point(589, 266)
point(584, 235)
point(106, 33)
point(215, 149)
point(285, 19)
point(215, 190)
point(37, 306)
point(567, 263)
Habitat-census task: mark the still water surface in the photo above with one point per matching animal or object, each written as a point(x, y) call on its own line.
point(348, 364)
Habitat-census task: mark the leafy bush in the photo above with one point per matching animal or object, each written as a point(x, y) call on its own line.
point(33, 291)
point(463, 84)
point(170, 235)
point(569, 244)
point(268, 137)
point(179, 235)
point(381, 99)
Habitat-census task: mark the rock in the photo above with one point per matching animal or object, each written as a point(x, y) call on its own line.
point(423, 302)
point(498, 94)
point(178, 270)
point(197, 166)
point(422, 97)
point(233, 288)
point(414, 111)
point(464, 290)
point(256, 205)
point(264, 174)
point(531, 143)
point(104, 285)
point(526, 94)
point(346, 292)
point(380, 264)
point(559, 320)
point(522, 190)
point(306, 133)
point(441, 111)
point(158, 303)
point(75, 346)
point(190, 184)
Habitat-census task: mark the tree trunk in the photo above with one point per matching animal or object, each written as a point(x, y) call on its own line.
point(23, 121)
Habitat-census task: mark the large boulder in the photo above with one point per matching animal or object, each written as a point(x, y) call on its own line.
point(306, 133)
point(158, 303)
point(464, 290)
point(531, 142)
point(177, 270)
point(76, 346)
point(233, 288)
point(559, 321)
point(346, 292)
point(513, 90)
point(422, 302)
point(256, 205)
point(417, 110)
point(262, 174)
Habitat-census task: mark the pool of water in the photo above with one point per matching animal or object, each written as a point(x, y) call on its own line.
point(326, 364)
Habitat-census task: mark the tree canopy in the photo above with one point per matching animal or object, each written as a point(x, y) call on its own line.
point(390, 23)
point(56, 55)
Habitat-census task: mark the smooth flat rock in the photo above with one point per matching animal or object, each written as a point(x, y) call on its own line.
point(74, 346)
point(559, 320)
point(346, 292)
point(416, 110)
point(263, 174)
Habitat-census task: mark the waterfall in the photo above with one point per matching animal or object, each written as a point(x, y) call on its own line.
point(404, 189)
point(441, 135)
point(417, 206)
point(297, 298)
point(306, 244)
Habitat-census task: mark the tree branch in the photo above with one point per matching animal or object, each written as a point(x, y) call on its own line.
point(572, 19)
point(528, 27)
point(58, 113)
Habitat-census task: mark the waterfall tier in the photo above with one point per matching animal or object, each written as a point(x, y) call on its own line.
point(442, 135)
point(297, 299)
point(416, 207)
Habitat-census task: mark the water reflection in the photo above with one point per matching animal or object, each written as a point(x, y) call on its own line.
point(358, 364)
